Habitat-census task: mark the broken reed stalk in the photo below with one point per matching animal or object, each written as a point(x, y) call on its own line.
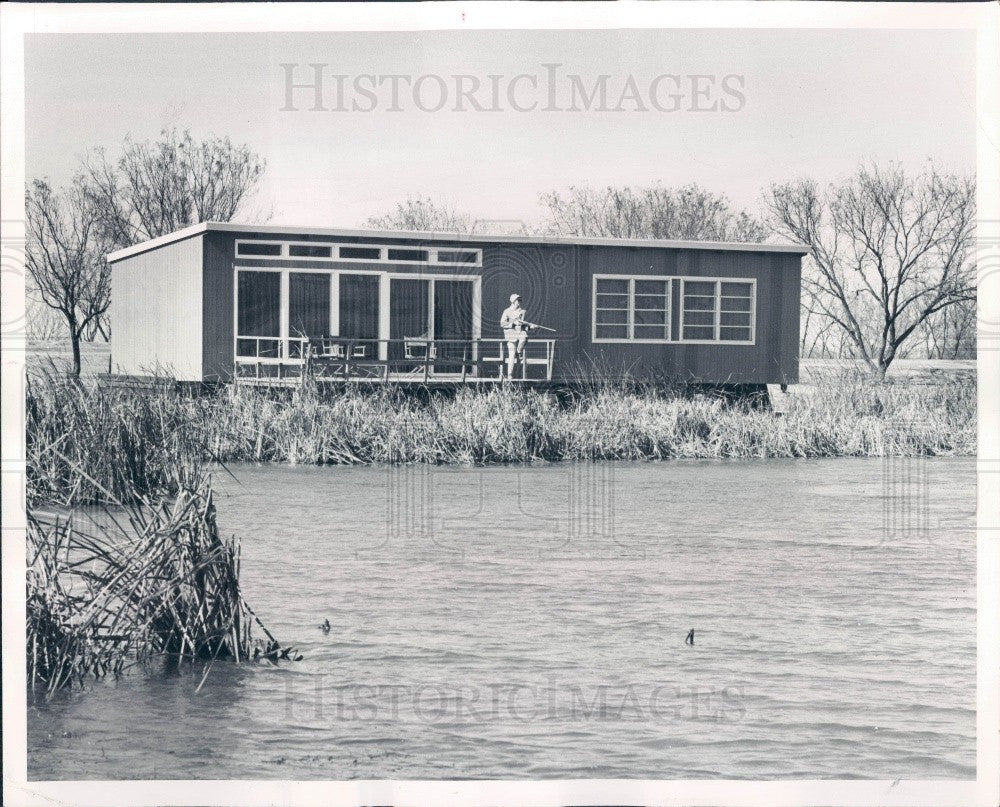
point(155, 579)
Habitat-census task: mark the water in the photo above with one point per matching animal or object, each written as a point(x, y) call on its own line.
point(531, 623)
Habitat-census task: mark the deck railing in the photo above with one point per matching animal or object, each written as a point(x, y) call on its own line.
point(265, 358)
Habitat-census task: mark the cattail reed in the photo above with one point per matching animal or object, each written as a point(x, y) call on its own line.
point(85, 441)
point(111, 590)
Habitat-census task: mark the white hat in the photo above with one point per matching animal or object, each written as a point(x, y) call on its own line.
point(515, 297)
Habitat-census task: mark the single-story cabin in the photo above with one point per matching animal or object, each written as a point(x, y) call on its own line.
point(214, 302)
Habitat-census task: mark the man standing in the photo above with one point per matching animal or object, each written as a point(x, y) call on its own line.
point(515, 331)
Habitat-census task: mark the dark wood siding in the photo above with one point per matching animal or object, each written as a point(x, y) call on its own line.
point(556, 283)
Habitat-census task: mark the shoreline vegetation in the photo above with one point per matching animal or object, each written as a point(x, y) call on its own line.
point(107, 592)
point(147, 574)
point(83, 437)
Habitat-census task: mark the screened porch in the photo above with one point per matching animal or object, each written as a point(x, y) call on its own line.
point(346, 325)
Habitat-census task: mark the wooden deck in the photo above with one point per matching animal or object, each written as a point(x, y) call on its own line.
point(272, 361)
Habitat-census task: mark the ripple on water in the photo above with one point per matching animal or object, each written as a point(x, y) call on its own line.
point(540, 632)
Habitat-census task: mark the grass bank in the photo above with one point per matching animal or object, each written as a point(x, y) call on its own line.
point(133, 440)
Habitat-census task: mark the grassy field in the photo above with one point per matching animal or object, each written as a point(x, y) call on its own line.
point(58, 356)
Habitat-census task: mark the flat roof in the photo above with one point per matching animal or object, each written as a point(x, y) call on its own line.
point(463, 238)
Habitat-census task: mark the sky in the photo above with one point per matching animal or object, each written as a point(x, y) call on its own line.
point(787, 103)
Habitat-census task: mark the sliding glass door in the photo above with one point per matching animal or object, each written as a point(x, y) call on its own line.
point(430, 324)
point(409, 324)
point(453, 323)
point(258, 314)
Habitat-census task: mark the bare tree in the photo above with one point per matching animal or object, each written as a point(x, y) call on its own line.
point(422, 215)
point(888, 252)
point(951, 332)
point(156, 188)
point(42, 323)
point(65, 258)
point(685, 213)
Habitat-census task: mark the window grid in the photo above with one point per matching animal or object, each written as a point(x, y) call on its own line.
point(637, 307)
point(719, 311)
point(694, 323)
point(386, 253)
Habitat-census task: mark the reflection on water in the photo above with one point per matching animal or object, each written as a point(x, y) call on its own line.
point(530, 623)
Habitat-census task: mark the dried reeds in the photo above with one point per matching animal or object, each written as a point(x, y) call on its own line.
point(146, 441)
point(149, 579)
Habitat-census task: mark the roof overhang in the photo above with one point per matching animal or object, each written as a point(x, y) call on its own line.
point(460, 238)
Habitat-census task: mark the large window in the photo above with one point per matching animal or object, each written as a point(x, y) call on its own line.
point(258, 313)
point(359, 313)
point(632, 309)
point(638, 309)
point(308, 304)
point(717, 310)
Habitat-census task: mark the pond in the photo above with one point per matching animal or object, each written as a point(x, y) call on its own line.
point(532, 622)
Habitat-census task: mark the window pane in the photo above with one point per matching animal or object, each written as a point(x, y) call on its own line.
point(606, 316)
point(612, 331)
point(407, 254)
point(658, 287)
point(258, 249)
point(308, 304)
point(650, 332)
point(699, 303)
point(735, 334)
point(259, 304)
point(650, 302)
point(698, 332)
point(258, 348)
point(361, 253)
point(699, 287)
point(737, 289)
point(735, 319)
point(736, 303)
point(650, 317)
point(612, 301)
point(409, 318)
point(612, 286)
point(359, 306)
point(309, 251)
point(454, 256)
point(699, 318)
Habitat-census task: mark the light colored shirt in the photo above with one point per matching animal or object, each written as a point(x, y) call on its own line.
point(512, 319)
